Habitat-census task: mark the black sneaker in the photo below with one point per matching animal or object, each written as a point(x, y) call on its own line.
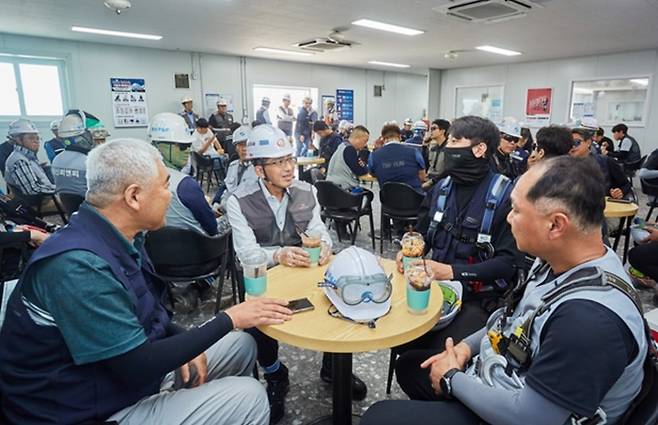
point(359, 388)
point(185, 300)
point(277, 388)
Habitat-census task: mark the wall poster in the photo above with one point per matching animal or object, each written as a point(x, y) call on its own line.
point(129, 105)
point(345, 104)
point(538, 106)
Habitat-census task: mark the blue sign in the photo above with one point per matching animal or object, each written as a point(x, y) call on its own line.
point(345, 104)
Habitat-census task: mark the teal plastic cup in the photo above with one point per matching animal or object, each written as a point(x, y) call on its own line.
point(314, 253)
point(417, 301)
point(312, 244)
point(419, 284)
point(254, 267)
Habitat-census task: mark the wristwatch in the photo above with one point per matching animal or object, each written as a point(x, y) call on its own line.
point(446, 384)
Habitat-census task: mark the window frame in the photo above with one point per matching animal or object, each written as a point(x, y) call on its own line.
point(16, 60)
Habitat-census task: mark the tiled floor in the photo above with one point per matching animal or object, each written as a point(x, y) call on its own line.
point(309, 397)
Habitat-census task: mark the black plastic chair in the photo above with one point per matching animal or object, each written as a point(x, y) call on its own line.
point(651, 190)
point(180, 255)
point(36, 202)
point(205, 168)
point(400, 202)
point(71, 202)
point(630, 168)
point(339, 205)
point(646, 411)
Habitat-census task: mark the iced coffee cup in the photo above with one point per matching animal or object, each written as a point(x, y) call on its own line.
point(254, 267)
point(312, 244)
point(413, 248)
point(419, 283)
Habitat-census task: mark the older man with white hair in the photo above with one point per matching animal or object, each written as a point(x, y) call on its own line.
point(87, 337)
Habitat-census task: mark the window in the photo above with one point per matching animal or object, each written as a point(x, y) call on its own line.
point(276, 93)
point(31, 87)
point(484, 101)
point(610, 101)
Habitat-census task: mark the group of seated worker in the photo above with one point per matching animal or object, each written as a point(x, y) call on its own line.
point(88, 336)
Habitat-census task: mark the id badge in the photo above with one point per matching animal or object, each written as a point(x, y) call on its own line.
point(438, 217)
point(482, 238)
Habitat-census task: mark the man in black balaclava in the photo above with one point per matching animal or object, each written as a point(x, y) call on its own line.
point(464, 222)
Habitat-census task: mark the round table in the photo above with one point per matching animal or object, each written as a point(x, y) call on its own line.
point(303, 161)
point(625, 212)
point(316, 330)
point(368, 178)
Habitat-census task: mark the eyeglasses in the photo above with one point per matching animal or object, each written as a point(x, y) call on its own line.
point(509, 138)
point(283, 162)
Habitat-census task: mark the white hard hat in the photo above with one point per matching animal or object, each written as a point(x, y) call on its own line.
point(266, 141)
point(408, 121)
point(241, 134)
point(54, 125)
point(343, 125)
point(265, 100)
point(100, 133)
point(511, 127)
point(186, 99)
point(588, 123)
point(453, 293)
point(420, 125)
point(357, 285)
point(169, 127)
point(222, 102)
point(22, 126)
point(286, 97)
point(73, 124)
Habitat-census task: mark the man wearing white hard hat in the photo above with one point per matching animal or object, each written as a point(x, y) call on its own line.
point(239, 170)
point(263, 113)
point(187, 113)
point(22, 169)
point(54, 145)
point(406, 132)
point(270, 214)
point(507, 160)
point(304, 128)
point(170, 134)
point(70, 166)
point(221, 119)
point(285, 116)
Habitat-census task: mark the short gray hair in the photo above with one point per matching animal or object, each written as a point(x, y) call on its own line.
point(113, 166)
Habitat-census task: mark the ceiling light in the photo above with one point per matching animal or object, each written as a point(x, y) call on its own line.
point(386, 27)
point(498, 50)
point(394, 65)
point(640, 81)
point(117, 33)
point(282, 51)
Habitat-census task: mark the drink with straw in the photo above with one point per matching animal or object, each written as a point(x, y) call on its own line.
point(254, 266)
point(419, 283)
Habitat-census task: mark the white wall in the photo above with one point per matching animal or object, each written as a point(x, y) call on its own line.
point(558, 74)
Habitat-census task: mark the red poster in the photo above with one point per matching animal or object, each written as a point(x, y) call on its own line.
point(538, 102)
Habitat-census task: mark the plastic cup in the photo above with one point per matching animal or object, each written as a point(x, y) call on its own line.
point(413, 248)
point(419, 284)
point(312, 244)
point(254, 267)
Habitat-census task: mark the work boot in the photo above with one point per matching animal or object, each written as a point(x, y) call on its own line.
point(359, 388)
point(277, 388)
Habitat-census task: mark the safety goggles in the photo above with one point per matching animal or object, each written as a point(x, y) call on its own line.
point(355, 290)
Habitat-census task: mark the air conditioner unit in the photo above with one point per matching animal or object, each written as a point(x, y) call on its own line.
point(323, 44)
point(487, 11)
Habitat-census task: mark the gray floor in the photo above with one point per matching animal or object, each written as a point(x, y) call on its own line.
point(309, 397)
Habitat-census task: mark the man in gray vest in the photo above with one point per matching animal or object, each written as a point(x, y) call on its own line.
point(345, 166)
point(69, 167)
point(570, 344)
point(221, 119)
point(263, 113)
point(270, 214)
point(285, 116)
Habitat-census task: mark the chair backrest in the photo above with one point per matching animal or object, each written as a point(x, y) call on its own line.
point(71, 202)
point(646, 411)
point(333, 197)
point(202, 161)
point(635, 165)
point(649, 189)
point(400, 197)
point(185, 252)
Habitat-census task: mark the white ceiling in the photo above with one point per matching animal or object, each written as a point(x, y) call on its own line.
point(562, 28)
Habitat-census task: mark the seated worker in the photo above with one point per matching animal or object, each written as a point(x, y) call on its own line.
point(552, 141)
point(628, 149)
point(406, 132)
point(345, 129)
point(345, 166)
point(270, 213)
point(329, 142)
point(397, 162)
point(642, 258)
point(615, 182)
point(23, 169)
point(70, 167)
point(463, 222)
point(564, 373)
point(435, 156)
point(508, 160)
point(239, 170)
point(55, 145)
point(604, 141)
point(649, 170)
point(87, 337)
point(204, 142)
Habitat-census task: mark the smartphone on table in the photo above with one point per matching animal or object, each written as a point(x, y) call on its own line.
point(299, 305)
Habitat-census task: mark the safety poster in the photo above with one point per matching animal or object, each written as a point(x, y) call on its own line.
point(129, 105)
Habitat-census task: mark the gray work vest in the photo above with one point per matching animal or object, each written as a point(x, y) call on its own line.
point(489, 367)
point(285, 121)
point(262, 220)
point(178, 215)
point(70, 172)
point(232, 181)
point(338, 171)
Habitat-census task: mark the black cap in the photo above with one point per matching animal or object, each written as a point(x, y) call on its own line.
point(202, 122)
point(320, 125)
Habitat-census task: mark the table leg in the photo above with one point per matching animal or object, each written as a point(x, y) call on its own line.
point(620, 230)
point(300, 171)
point(627, 238)
point(342, 393)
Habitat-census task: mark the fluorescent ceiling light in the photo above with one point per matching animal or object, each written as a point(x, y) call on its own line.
point(386, 27)
point(394, 65)
point(498, 50)
point(640, 81)
point(282, 51)
point(117, 33)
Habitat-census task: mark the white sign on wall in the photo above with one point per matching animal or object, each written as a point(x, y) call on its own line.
point(129, 105)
